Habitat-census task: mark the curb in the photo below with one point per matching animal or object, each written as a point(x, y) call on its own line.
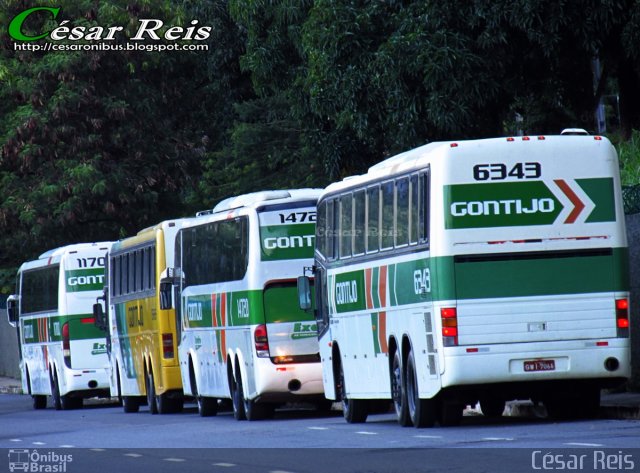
point(10, 390)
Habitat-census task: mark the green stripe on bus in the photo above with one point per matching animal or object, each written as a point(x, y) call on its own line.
point(80, 280)
point(542, 276)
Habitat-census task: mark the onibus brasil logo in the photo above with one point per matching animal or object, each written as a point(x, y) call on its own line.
point(561, 201)
point(33, 461)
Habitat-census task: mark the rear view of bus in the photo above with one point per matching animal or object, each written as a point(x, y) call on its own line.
point(243, 336)
point(485, 270)
point(63, 354)
point(534, 247)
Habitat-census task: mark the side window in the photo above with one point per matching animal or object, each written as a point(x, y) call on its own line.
point(414, 218)
point(387, 230)
point(332, 233)
point(402, 212)
point(321, 229)
point(373, 220)
point(423, 232)
point(359, 230)
point(346, 231)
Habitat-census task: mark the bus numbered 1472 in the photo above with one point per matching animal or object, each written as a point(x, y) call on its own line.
point(474, 271)
point(62, 353)
point(241, 333)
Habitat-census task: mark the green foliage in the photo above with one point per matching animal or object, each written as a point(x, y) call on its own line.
point(292, 93)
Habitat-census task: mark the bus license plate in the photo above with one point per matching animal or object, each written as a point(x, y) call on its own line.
point(539, 365)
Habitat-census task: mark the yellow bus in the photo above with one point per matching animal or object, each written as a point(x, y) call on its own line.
point(141, 337)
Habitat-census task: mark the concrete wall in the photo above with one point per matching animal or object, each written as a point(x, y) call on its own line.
point(9, 357)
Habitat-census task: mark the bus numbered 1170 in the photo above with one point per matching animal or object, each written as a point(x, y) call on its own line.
point(475, 271)
point(62, 353)
point(241, 333)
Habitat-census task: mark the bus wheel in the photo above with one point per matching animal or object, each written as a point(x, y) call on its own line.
point(55, 393)
point(151, 393)
point(398, 391)
point(257, 410)
point(39, 401)
point(130, 404)
point(169, 405)
point(355, 411)
point(422, 412)
point(207, 406)
point(492, 407)
point(237, 396)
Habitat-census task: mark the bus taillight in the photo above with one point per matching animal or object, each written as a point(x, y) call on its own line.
point(167, 345)
point(66, 345)
point(622, 317)
point(449, 316)
point(262, 341)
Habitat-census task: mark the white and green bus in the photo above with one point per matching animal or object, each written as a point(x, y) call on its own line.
point(241, 333)
point(487, 270)
point(63, 354)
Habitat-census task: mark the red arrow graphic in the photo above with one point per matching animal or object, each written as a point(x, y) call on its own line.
point(578, 205)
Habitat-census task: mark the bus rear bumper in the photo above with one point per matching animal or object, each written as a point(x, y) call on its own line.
point(86, 383)
point(603, 361)
point(289, 382)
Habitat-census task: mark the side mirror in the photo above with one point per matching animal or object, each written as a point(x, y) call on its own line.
point(99, 315)
point(12, 309)
point(304, 293)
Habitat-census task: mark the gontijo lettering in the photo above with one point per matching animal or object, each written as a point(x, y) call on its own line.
point(85, 280)
point(502, 207)
point(303, 241)
point(346, 292)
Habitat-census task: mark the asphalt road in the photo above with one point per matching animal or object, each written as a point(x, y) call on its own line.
point(103, 438)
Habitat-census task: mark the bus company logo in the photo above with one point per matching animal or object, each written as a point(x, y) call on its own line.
point(147, 29)
point(86, 280)
point(529, 203)
point(34, 461)
point(304, 330)
point(99, 348)
point(346, 292)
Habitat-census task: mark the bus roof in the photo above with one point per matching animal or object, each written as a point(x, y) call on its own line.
point(63, 250)
point(437, 151)
point(255, 199)
point(55, 255)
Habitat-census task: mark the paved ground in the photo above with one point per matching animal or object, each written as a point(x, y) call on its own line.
point(624, 405)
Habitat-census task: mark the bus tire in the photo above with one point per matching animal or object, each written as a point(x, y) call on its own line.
point(355, 411)
point(69, 403)
point(207, 406)
point(398, 391)
point(422, 412)
point(55, 392)
point(151, 393)
point(492, 407)
point(237, 396)
point(39, 401)
point(130, 404)
point(257, 410)
point(168, 404)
